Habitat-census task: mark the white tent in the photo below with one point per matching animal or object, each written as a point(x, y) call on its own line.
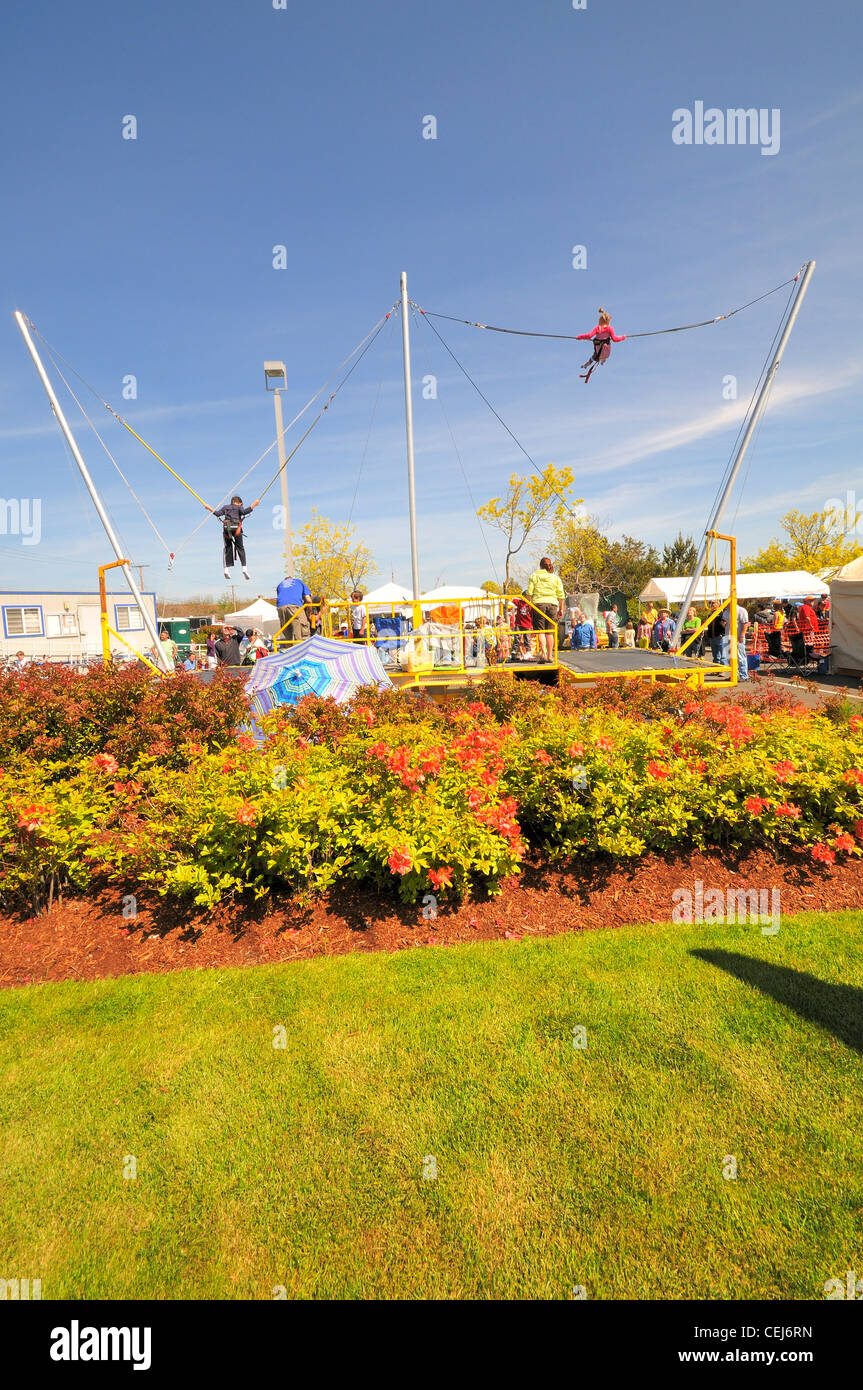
point(388, 594)
point(258, 614)
point(451, 593)
point(766, 584)
point(846, 618)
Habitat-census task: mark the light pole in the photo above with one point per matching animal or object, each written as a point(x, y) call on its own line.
point(276, 378)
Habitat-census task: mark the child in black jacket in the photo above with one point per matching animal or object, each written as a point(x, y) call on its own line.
point(231, 516)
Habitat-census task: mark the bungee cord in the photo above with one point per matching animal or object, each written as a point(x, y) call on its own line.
point(572, 337)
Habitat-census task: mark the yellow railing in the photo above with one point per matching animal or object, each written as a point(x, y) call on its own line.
point(452, 636)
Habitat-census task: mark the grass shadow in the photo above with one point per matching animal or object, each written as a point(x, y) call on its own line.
point(838, 1009)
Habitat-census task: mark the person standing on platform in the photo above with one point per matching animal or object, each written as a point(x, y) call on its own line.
point(545, 592)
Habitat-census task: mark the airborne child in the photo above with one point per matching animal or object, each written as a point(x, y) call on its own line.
point(603, 336)
point(231, 515)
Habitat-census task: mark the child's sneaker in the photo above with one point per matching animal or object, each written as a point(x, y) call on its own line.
point(226, 572)
point(246, 574)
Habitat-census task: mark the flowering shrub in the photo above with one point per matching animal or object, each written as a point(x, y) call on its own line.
point(404, 796)
point(50, 712)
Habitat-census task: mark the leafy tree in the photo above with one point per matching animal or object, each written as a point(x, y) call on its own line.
point(629, 564)
point(679, 557)
point(329, 559)
point(814, 541)
point(526, 506)
point(587, 559)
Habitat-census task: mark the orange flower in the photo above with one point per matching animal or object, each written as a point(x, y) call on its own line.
point(605, 742)
point(400, 862)
point(825, 855)
point(844, 841)
point(441, 878)
point(105, 762)
point(246, 813)
point(853, 775)
point(575, 750)
point(540, 756)
point(658, 770)
point(784, 771)
point(755, 805)
point(246, 743)
point(30, 817)
point(856, 721)
point(786, 808)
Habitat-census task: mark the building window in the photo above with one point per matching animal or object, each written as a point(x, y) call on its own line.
point(128, 617)
point(23, 622)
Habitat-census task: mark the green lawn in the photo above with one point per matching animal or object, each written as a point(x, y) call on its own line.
point(556, 1167)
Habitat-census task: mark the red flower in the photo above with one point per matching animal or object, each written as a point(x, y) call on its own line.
point(30, 817)
point(105, 762)
point(477, 708)
point(400, 862)
point(540, 756)
point(858, 829)
point(229, 767)
point(658, 770)
point(605, 742)
point(246, 743)
point(378, 750)
point(786, 808)
point(755, 805)
point(700, 765)
point(825, 855)
point(844, 841)
point(431, 761)
point(853, 775)
point(366, 714)
point(441, 878)
point(476, 798)
point(784, 771)
point(246, 813)
point(856, 721)
point(575, 750)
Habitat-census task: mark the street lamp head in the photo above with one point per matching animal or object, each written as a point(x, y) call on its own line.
point(275, 376)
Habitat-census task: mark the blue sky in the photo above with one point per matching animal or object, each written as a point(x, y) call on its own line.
point(303, 127)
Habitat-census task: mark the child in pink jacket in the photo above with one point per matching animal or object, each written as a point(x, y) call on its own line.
point(603, 336)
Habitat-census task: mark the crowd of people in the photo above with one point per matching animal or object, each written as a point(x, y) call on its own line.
point(531, 621)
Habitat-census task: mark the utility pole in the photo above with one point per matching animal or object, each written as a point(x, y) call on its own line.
point(124, 565)
point(713, 524)
point(276, 372)
point(409, 434)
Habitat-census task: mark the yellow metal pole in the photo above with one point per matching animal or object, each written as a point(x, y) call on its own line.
point(103, 610)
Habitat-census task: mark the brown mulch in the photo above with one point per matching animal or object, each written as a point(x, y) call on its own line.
point(88, 939)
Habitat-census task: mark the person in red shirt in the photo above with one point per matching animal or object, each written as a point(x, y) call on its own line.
point(807, 618)
point(603, 336)
point(522, 619)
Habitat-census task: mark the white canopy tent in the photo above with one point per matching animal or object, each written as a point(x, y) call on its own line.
point(258, 614)
point(451, 593)
point(388, 594)
point(765, 584)
point(846, 618)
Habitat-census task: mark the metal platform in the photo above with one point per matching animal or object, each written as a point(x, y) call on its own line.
point(625, 661)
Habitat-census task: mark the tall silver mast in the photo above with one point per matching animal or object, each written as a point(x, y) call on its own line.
point(713, 523)
point(409, 432)
point(91, 488)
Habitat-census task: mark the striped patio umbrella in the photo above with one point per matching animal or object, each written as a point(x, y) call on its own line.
point(317, 666)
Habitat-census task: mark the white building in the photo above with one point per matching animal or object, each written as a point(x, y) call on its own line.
point(53, 626)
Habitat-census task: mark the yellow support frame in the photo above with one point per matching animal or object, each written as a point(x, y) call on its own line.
point(107, 631)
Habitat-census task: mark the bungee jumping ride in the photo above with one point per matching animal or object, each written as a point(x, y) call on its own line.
point(231, 510)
